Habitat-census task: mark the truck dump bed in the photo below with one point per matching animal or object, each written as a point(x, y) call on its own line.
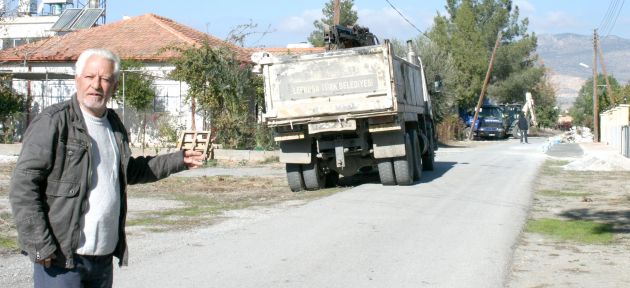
point(350, 83)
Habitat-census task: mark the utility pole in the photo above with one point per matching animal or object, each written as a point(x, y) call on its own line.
point(337, 12)
point(595, 97)
point(485, 84)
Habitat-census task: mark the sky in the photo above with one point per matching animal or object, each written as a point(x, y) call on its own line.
point(291, 21)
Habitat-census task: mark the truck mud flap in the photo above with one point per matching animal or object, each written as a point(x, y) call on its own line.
point(296, 151)
point(388, 144)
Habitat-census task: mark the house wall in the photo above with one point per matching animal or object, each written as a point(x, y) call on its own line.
point(614, 128)
point(20, 30)
point(170, 105)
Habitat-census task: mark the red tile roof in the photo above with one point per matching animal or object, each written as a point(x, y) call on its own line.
point(141, 38)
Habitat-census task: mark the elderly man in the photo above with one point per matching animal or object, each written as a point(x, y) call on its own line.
point(68, 191)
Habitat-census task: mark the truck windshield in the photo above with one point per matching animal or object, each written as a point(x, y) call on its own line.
point(488, 112)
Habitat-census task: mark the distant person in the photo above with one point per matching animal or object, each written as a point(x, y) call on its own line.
point(523, 126)
point(68, 190)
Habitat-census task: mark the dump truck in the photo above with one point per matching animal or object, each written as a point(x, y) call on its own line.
point(343, 111)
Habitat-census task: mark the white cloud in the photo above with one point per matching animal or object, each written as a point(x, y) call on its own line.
point(553, 22)
point(559, 19)
point(525, 7)
point(386, 23)
point(302, 23)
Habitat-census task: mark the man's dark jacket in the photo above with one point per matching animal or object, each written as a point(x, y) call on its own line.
point(49, 188)
point(523, 124)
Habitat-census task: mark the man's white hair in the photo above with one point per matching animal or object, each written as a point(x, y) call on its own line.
point(100, 52)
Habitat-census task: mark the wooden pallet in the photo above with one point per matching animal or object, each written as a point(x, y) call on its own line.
point(198, 141)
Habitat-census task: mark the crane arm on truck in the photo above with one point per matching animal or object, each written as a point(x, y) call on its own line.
point(341, 37)
point(529, 107)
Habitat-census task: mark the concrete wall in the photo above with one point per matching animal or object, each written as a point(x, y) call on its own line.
point(219, 154)
point(611, 123)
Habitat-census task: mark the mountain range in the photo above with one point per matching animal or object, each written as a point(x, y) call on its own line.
point(570, 56)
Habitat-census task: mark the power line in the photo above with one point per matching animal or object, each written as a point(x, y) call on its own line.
point(616, 18)
point(610, 18)
point(407, 20)
point(609, 12)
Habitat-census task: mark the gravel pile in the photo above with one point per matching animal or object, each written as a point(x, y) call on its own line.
point(597, 163)
point(575, 135)
point(599, 157)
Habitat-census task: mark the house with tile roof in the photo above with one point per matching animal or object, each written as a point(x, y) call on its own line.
point(44, 70)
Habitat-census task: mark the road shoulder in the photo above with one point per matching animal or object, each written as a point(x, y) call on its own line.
point(574, 188)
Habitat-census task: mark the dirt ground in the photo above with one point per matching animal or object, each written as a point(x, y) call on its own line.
point(597, 189)
point(164, 206)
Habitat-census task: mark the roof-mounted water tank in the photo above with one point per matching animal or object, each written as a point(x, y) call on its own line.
point(57, 6)
point(26, 7)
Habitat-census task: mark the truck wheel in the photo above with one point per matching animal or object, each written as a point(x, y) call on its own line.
point(331, 179)
point(294, 177)
point(516, 134)
point(314, 177)
point(417, 156)
point(428, 159)
point(403, 166)
point(386, 171)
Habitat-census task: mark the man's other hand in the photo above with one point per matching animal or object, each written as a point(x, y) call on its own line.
point(193, 159)
point(45, 262)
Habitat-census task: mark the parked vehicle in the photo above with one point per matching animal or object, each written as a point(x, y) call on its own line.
point(491, 123)
point(338, 111)
point(511, 112)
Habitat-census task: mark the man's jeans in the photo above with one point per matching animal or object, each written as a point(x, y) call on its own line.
point(89, 271)
point(524, 136)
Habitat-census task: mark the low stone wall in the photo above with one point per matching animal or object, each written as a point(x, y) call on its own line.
point(219, 154)
point(10, 149)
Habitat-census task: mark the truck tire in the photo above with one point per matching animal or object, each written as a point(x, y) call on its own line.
point(386, 172)
point(314, 177)
point(331, 179)
point(403, 166)
point(516, 133)
point(417, 156)
point(294, 177)
point(428, 158)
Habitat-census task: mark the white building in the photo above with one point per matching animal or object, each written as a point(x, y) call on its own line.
point(43, 71)
point(26, 21)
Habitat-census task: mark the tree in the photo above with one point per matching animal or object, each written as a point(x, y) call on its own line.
point(11, 104)
point(624, 94)
point(582, 110)
point(438, 65)
point(347, 17)
point(544, 95)
point(138, 91)
point(468, 34)
point(223, 87)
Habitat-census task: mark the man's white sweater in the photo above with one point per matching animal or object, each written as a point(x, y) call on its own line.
point(99, 224)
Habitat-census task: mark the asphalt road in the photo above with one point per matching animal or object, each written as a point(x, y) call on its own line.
point(455, 228)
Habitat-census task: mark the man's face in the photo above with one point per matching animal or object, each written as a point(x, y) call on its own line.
point(96, 85)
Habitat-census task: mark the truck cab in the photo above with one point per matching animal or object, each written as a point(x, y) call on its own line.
point(491, 123)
